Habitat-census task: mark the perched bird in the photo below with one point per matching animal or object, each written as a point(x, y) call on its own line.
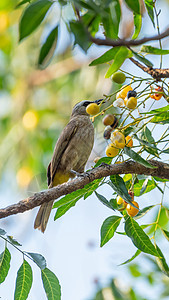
point(71, 153)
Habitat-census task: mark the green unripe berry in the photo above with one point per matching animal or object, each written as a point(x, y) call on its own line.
point(119, 77)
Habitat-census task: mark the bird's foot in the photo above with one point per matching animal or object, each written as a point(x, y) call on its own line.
point(75, 173)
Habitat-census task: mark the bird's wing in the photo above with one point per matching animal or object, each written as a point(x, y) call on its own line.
point(60, 147)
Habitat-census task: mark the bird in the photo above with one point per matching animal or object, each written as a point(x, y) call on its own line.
point(70, 155)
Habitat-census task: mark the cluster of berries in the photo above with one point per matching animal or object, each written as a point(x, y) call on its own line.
point(126, 97)
point(122, 205)
point(118, 141)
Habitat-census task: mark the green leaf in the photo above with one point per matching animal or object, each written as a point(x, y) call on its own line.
point(111, 19)
point(108, 229)
point(21, 3)
point(137, 157)
point(150, 9)
point(13, 241)
point(5, 258)
point(38, 259)
point(110, 30)
point(128, 130)
point(64, 208)
point(139, 238)
point(118, 184)
point(133, 5)
point(106, 57)
point(137, 25)
point(48, 48)
point(90, 5)
point(158, 111)
point(150, 148)
point(162, 118)
point(106, 160)
point(80, 34)
point(154, 50)
point(2, 231)
point(162, 220)
point(143, 211)
point(147, 136)
point(32, 17)
point(144, 186)
point(133, 257)
point(115, 11)
point(104, 200)
point(166, 234)
point(134, 270)
point(167, 152)
point(160, 179)
point(161, 262)
point(143, 59)
point(119, 59)
point(51, 285)
point(23, 281)
point(78, 194)
point(93, 23)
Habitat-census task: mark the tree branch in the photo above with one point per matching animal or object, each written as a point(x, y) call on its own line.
point(157, 74)
point(161, 170)
point(120, 42)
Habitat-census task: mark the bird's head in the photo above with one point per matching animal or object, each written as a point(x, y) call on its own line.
point(80, 107)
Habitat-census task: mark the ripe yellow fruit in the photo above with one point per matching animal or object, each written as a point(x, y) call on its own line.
point(126, 89)
point(121, 203)
point(119, 77)
point(108, 120)
point(111, 151)
point(129, 141)
point(121, 95)
point(118, 139)
point(132, 211)
point(131, 103)
point(92, 109)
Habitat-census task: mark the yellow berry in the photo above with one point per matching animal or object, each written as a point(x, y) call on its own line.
point(121, 95)
point(108, 120)
point(118, 77)
point(118, 139)
point(132, 211)
point(131, 103)
point(121, 203)
point(126, 89)
point(111, 151)
point(129, 141)
point(92, 109)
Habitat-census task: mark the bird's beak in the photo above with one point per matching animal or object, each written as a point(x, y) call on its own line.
point(99, 101)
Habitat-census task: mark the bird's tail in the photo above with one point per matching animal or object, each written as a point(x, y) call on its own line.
point(43, 216)
point(45, 209)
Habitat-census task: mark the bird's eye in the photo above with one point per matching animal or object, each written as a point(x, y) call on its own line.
point(86, 103)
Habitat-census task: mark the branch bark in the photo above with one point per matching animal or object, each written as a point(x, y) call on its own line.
point(156, 73)
point(161, 170)
point(128, 43)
